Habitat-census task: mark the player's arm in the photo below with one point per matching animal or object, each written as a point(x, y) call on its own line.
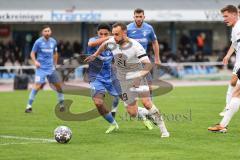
point(147, 66)
point(155, 47)
point(97, 42)
point(33, 57)
point(55, 58)
point(228, 55)
point(92, 57)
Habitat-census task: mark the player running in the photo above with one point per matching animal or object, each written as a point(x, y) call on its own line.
point(230, 15)
point(45, 48)
point(129, 58)
point(234, 78)
point(144, 34)
point(101, 76)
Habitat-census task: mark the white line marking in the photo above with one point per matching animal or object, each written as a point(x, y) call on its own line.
point(14, 143)
point(27, 138)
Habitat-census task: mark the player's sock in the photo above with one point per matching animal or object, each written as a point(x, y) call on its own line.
point(115, 105)
point(229, 95)
point(157, 118)
point(142, 112)
point(31, 98)
point(108, 117)
point(233, 108)
point(60, 96)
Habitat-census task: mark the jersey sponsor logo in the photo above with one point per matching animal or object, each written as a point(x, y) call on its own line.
point(134, 32)
point(142, 40)
point(46, 50)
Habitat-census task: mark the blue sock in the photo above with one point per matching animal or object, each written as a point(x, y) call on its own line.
point(108, 117)
point(60, 96)
point(115, 104)
point(32, 96)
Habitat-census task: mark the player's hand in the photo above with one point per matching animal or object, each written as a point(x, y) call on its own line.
point(157, 61)
point(136, 82)
point(37, 64)
point(225, 60)
point(90, 58)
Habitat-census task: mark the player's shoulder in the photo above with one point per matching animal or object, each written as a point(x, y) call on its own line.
point(238, 25)
point(131, 25)
point(134, 42)
point(147, 26)
point(93, 38)
point(53, 40)
point(39, 40)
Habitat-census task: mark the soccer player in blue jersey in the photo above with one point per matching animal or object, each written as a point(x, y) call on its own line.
point(101, 76)
point(44, 55)
point(144, 34)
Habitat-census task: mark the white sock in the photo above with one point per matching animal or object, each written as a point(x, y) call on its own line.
point(157, 117)
point(28, 106)
point(229, 95)
point(233, 108)
point(142, 112)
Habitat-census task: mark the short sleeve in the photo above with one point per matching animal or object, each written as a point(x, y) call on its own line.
point(153, 36)
point(35, 47)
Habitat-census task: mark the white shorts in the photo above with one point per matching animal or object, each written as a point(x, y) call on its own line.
point(131, 93)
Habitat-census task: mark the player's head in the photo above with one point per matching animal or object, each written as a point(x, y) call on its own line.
point(103, 30)
point(119, 31)
point(46, 31)
point(139, 16)
point(230, 15)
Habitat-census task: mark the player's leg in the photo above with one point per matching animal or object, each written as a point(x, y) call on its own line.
point(55, 80)
point(114, 89)
point(231, 86)
point(233, 108)
point(155, 114)
point(39, 81)
point(98, 92)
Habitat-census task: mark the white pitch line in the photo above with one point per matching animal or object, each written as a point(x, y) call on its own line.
point(27, 138)
point(13, 143)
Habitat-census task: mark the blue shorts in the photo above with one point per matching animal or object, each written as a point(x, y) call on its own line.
point(102, 86)
point(41, 75)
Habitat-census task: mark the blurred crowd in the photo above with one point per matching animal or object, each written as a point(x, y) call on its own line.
point(12, 54)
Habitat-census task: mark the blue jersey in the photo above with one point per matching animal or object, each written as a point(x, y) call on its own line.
point(45, 50)
point(101, 67)
point(143, 35)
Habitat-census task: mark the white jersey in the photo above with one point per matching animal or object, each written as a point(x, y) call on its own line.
point(128, 58)
point(235, 38)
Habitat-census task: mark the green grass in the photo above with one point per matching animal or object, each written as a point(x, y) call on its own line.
point(189, 139)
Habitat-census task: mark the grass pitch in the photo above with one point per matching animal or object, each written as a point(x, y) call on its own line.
point(188, 112)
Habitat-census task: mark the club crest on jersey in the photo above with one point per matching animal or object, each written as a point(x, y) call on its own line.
point(144, 33)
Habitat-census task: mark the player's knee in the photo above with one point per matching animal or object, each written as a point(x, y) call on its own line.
point(147, 103)
point(132, 112)
point(233, 82)
point(37, 86)
point(98, 102)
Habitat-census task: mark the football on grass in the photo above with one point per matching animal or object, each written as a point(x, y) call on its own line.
point(62, 134)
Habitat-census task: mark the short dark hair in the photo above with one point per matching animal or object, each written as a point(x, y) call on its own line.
point(229, 8)
point(120, 24)
point(239, 6)
point(45, 26)
point(138, 10)
point(104, 26)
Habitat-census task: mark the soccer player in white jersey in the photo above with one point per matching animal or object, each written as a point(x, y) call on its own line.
point(132, 65)
point(230, 15)
point(234, 78)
